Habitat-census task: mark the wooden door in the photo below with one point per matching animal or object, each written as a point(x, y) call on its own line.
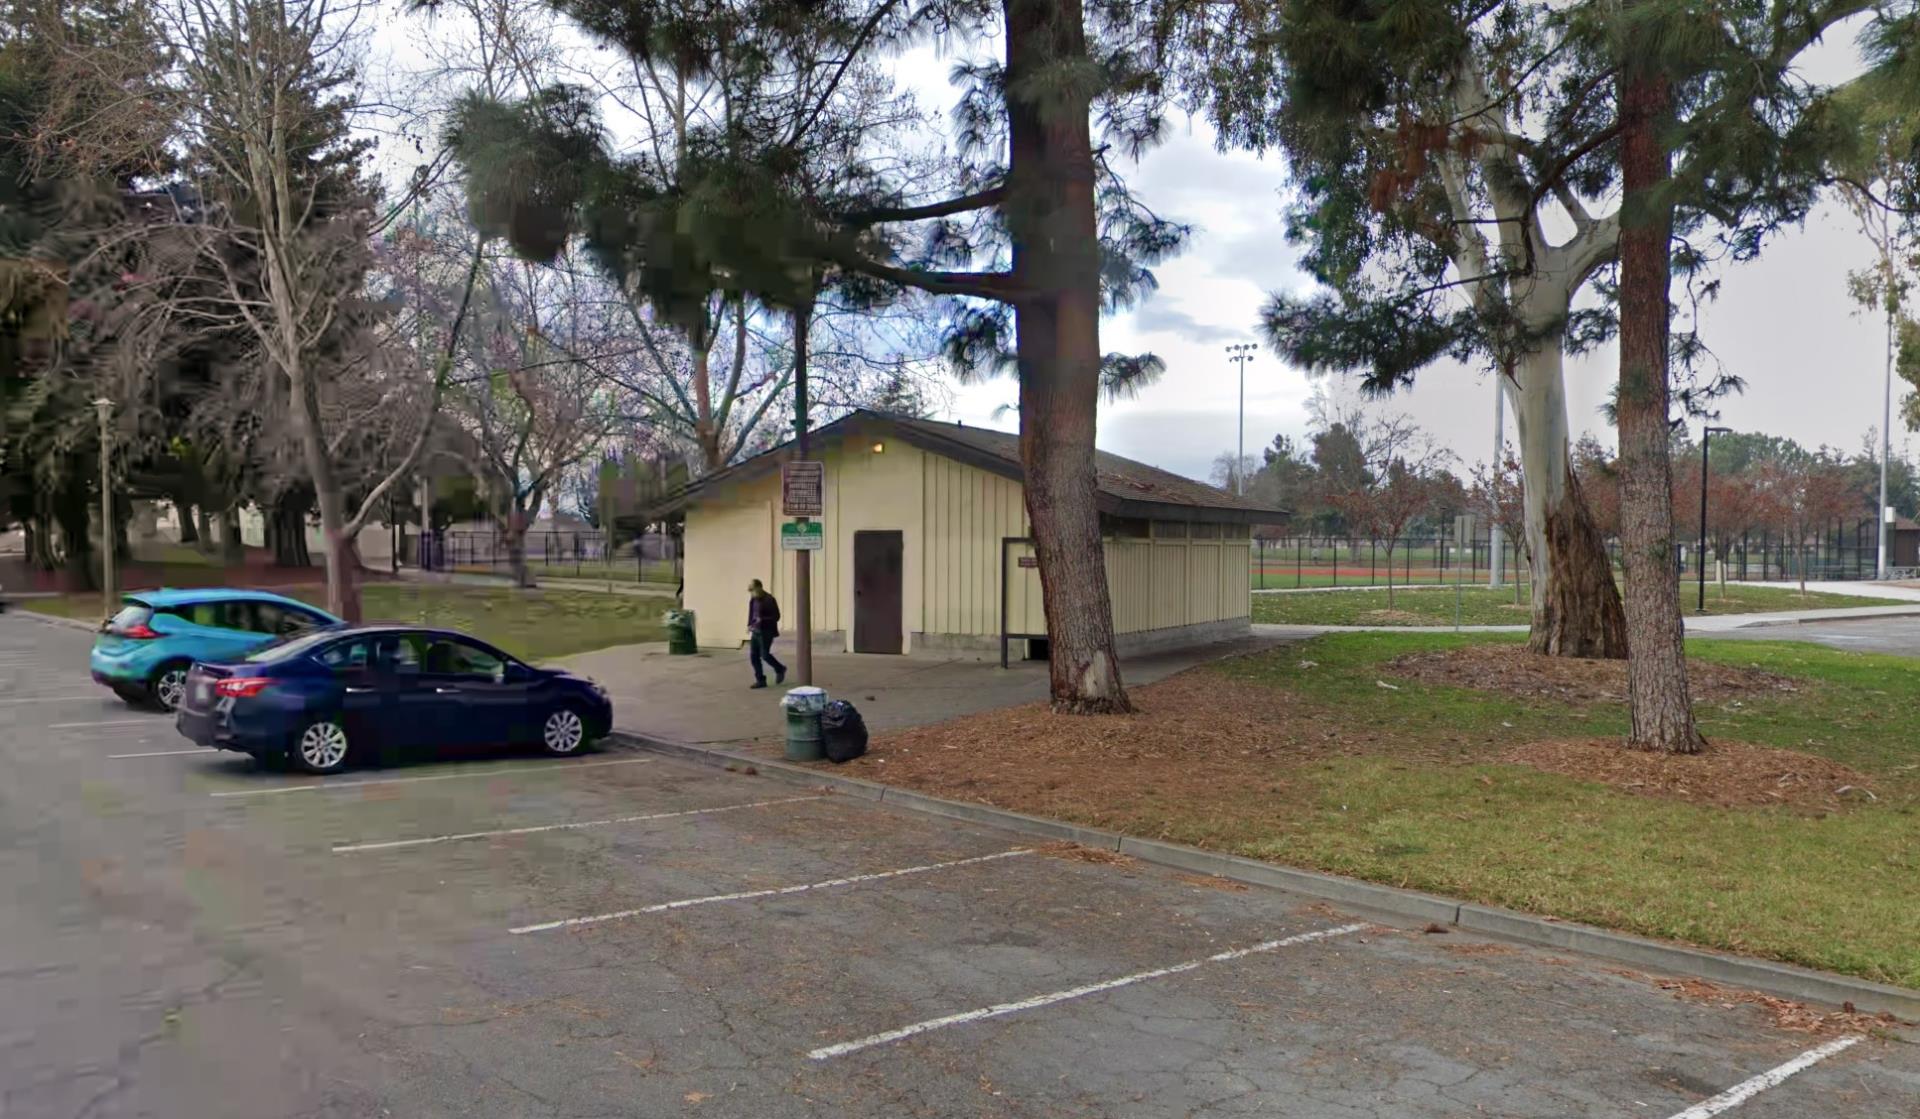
point(879, 569)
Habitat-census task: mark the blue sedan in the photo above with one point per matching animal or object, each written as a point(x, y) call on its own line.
point(346, 693)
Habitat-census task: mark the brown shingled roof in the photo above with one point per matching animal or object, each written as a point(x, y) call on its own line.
point(1126, 488)
point(1121, 479)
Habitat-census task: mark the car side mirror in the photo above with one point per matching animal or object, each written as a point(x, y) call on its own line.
point(500, 673)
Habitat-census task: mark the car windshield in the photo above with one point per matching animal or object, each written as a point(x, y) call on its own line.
point(288, 648)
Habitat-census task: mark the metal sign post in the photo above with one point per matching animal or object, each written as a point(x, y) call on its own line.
point(802, 485)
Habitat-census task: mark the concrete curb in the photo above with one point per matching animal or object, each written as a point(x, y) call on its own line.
point(1868, 614)
point(53, 619)
point(1780, 980)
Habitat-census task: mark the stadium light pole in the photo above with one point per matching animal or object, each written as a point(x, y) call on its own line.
point(1240, 354)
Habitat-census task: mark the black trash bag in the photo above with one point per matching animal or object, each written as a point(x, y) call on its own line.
point(843, 733)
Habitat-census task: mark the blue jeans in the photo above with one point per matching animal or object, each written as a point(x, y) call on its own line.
point(760, 648)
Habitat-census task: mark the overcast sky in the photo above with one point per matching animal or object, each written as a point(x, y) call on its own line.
point(1813, 365)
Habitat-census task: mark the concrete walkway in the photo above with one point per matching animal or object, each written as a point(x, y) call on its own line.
point(1897, 592)
point(706, 698)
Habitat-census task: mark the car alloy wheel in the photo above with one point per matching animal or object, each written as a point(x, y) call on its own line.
point(170, 687)
point(323, 747)
point(564, 732)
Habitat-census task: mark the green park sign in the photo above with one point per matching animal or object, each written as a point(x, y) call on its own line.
point(802, 536)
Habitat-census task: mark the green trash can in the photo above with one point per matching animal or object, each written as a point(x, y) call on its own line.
point(680, 637)
point(803, 707)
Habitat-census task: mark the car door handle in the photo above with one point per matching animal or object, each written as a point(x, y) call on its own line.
point(351, 690)
point(446, 691)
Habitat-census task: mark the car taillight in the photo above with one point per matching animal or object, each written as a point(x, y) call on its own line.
point(242, 687)
point(139, 631)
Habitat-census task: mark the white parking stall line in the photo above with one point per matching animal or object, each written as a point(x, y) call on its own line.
point(542, 767)
point(151, 720)
point(1034, 1003)
point(779, 891)
point(1772, 1078)
point(53, 698)
point(157, 754)
point(390, 844)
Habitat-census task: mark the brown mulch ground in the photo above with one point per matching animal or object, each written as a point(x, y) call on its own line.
point(1510, 670)
point(1728, 774)
point(1194, 739)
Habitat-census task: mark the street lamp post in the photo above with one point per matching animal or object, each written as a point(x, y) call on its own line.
point(1706, 438)
point(1240, 355)
point(104, 407)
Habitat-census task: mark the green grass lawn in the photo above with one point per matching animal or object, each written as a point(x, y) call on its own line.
point(1481, 606)
point(536, 625)
point(1832, 890)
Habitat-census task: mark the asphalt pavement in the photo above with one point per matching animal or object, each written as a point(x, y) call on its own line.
point(183, 934)
point(1864, 635)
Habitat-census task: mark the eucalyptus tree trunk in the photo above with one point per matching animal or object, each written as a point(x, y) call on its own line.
point(1658, 701)
point(1056, 264)
point(1576, 606)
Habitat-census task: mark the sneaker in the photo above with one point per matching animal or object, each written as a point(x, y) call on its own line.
point(779, 675)
point(756, 684)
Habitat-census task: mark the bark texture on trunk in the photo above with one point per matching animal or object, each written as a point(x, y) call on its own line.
point(203, 527)
point(1576, 606)
point(513, 532)
point(286, 530)
point(233, 548)
point(1056, 262)
point(343, 576)
point(189, 534)
point(1577, 610)
point(71, 511)
point(39, 543)
point(1657, 695)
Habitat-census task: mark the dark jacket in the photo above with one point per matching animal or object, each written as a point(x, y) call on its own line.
point(763, 615)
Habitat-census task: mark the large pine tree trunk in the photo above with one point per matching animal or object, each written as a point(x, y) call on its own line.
point(1056, 256)
point(203, 527)
point(1657, 696)
point(1576, 605)
point(183, 512)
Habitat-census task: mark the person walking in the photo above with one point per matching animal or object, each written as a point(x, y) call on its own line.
point(763, 625)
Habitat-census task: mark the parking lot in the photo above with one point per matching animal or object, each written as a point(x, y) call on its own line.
point(186, 935)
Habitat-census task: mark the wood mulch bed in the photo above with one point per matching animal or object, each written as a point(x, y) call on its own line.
point(1194, 739)
point(1509, 669)
point(1204, 742)
point(1727, 774)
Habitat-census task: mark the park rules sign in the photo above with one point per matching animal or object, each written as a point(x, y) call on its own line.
point(802, 536)
point(802, 486)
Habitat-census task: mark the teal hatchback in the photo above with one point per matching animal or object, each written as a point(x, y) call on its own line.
point(143, 652)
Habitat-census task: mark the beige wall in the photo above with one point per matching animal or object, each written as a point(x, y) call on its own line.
point(728, 543)
point(952, 518)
